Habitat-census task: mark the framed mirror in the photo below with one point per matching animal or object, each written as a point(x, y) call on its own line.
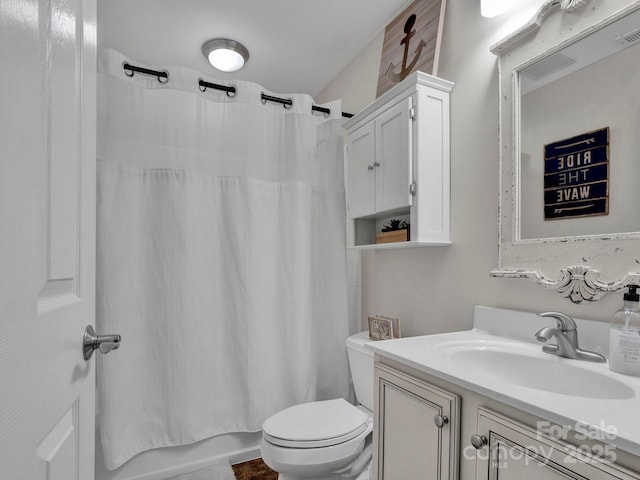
point(570, 148)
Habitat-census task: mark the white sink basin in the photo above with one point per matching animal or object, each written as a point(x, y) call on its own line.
point(530, 368)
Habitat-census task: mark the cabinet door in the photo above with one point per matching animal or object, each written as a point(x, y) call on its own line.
point(408, 444)
point(394, 148)
point(361, 188)
point(518, 452)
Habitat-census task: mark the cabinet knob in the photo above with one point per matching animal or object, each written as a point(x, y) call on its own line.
point(369, 167)
point(376, 164)
point(478, 441)
point(440, 420)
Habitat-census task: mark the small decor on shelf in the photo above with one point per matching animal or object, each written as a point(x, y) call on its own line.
point(395, 224)
point(395, 230)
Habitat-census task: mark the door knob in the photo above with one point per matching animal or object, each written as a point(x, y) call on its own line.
point(104, 343)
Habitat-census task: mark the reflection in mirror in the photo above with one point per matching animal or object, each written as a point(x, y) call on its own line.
point(569, 148)
point(584, 185)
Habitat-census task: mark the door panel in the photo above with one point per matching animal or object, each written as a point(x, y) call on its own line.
point(408, 442)
point(411, 440)
point(59, 448)
point(63, 152)
point(516, 451)
point(361, 190)
point(47, 240)
point(394, 150)
point(64, 155)
point(513, 462)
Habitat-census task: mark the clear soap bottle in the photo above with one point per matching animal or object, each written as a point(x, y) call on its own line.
point(624, 335)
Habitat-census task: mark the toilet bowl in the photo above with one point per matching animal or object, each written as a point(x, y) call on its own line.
point(330, 439)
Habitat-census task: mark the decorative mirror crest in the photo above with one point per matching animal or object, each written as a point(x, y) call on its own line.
point(582, 257)
point(536, 22)
point(571, 5)
point(578, 283)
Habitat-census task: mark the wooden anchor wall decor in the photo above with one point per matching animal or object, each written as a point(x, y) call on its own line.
point(411, 42)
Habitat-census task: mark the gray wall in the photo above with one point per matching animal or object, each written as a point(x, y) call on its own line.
point(434, 289)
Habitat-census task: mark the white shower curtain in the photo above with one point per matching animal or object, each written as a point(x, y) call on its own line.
point(221, 258)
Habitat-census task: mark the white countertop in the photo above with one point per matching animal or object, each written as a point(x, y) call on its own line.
point(613, 420)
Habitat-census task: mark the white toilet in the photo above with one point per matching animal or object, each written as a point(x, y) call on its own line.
point(326, 440)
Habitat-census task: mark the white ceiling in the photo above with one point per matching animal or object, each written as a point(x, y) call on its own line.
point(296, 46)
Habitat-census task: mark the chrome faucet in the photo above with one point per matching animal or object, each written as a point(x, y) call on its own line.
point(566, 334)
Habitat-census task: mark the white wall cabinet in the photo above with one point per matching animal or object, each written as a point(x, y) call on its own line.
point(416, 429)
point(397, 163)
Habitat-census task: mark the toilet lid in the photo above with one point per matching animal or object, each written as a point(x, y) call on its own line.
point(315, 424)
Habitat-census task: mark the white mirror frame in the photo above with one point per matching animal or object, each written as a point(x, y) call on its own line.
point(580, 268)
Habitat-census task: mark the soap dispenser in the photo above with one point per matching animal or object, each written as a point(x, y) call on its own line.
point(624, 335)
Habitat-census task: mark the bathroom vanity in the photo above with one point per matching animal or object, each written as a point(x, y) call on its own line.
point(488, 403)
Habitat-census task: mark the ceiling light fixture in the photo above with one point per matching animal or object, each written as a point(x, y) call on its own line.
point(225, 54)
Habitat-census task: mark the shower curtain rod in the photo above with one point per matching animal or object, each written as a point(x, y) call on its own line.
point(163, 77)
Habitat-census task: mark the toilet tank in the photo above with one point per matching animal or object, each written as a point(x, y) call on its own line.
point(361, 366)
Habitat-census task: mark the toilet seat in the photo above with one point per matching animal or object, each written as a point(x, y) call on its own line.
point(328, 442)
point(315, 424)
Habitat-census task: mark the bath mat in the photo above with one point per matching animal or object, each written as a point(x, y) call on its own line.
point(218, 471)
point(254, 470)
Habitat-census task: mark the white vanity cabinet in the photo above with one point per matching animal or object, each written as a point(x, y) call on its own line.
point(397, 163)
point(416, 428)
point(484, 439)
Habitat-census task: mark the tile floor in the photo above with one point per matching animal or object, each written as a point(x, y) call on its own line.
point(254, 470)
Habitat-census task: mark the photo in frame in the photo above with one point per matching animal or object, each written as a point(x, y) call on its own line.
point(383, 328)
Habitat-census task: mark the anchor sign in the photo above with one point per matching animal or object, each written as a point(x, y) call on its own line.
point(406, 69)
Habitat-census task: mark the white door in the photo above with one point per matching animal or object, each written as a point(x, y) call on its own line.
point(47, 238)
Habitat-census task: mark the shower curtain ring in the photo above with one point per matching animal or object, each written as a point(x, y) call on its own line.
point(130, 70)
point(230, 90)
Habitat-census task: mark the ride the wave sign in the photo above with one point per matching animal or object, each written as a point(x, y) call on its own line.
point(576, 176)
